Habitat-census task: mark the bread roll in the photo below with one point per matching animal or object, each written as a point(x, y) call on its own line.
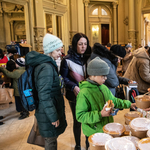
point(110, 104)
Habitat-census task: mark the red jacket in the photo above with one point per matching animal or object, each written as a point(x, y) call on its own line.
point(3, 61)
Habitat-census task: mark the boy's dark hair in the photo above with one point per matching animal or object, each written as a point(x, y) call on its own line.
point(75, 40)
point(11, 65)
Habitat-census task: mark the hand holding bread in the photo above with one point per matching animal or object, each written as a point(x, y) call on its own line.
point(105, 113)
point(110, 105)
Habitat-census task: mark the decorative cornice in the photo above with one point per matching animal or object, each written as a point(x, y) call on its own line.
point(103, 0)
point(54, 7)
point(115, 4)
point(86, 2)
point(20, 2)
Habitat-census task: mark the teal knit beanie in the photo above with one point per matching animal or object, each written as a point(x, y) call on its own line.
point(51, 43)
point(97, 67)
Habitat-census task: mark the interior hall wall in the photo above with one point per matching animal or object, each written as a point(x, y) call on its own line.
point(139, 27)
point(2, 33)
point(121, 25)
point(148, 33)
point(81, 17)
point(123, 22)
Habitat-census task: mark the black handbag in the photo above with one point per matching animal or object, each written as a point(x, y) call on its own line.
point(120, 92)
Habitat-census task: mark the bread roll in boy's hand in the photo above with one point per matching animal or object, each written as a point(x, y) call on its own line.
point(110, 105)
point(105, 113)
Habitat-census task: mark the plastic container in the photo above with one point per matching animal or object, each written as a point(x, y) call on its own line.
point(114, 129)
point(133, 139)
point(139, 127)
point(119, 144)
point(127, 132)
point(142, 101)
point(144, 144)
point(148, 133)
point(97, 141)
point(131, 115)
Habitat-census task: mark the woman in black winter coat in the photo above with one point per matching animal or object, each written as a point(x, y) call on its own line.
point(111, 58)
point(73, 70)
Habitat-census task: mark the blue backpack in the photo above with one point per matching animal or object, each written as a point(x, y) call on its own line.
point(27, 90)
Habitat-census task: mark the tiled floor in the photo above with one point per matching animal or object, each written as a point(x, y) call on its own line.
point(14, 133)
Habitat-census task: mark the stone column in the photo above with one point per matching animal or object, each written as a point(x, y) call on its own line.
point(2, 29)
point(131, 31)
point(38, 38)
point(54, 28)
point(115, 21)
point(12, 31)
point(39, 25)
point(146, 24)
point(86, 14)
point(73, 18)
point(7, 29)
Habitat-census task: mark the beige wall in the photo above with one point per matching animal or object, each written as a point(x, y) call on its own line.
point(81, 16)
point(123, 22)
point(2, 33)
point(121, 19)
point(73, 19)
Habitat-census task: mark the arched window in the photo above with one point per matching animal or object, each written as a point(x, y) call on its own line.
point(95, 11)
point(103, 12)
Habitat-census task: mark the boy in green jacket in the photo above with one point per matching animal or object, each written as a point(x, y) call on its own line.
point(93, 95)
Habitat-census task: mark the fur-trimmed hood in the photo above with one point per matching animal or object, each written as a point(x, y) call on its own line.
point(104, 52)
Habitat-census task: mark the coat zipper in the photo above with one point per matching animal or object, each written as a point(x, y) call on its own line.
point(103, 98)
point(84, 73)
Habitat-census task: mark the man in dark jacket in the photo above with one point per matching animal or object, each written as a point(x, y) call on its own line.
point(50, 112)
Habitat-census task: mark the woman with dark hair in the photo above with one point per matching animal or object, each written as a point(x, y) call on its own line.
point(139, 69)
point(73, 70)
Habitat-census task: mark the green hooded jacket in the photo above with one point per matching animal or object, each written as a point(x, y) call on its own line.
point(14, 75)
point(90, 101)
point(51, 103)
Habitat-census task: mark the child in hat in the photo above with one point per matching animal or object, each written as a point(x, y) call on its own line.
point(93, 95)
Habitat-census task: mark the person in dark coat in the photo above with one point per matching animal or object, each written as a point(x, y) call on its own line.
point(111, 58)
point(73, 70)
point(50, 112)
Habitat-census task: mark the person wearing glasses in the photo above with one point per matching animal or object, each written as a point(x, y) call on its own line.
point(90, 108)
point(112, 58)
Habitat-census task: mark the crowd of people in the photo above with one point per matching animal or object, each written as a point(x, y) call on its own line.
point(90, 78)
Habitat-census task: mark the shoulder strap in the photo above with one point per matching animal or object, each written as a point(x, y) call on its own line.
point(28, 80)
point(54, 67)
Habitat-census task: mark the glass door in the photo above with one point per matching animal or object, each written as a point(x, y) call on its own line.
point(95, 35)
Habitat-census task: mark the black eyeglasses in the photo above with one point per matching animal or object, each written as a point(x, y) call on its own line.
point(104, 76)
